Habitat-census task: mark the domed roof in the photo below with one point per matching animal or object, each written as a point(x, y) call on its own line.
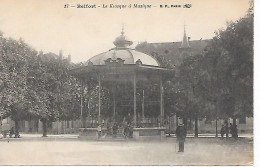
point(122, 51)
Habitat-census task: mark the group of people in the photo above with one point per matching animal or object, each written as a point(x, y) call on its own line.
point(127, 130)
point(232, 129)
point(181, 133)
point(14, 132)
point(114, 130)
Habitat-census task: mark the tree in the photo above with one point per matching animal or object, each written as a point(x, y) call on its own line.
point(192, 89)
point(14, 70)
point(54, 94)
point(35, 85)
point(232, 49)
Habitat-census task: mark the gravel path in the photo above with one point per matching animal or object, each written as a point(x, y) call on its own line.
point(77, 152)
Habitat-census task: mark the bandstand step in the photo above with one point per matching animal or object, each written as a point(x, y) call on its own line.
point(112, 139)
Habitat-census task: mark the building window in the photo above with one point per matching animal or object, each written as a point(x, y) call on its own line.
point(242, 120)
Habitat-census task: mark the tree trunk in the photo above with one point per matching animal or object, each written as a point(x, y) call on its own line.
point(92, 121)
point(216, 127)
point(84, 122)
point(44, 127)
point(196, 127)
point(190, 124)
point(177, 121)
point(169, 125)
point(16, 126)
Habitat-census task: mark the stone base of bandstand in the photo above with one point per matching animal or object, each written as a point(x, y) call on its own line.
point(88, 133)
point(139, 134)
point(156, 133)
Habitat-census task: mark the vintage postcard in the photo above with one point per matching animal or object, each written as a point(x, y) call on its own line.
point(127, 82)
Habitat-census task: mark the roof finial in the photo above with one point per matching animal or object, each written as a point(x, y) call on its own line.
point(184, 28)
point(121, 41)
point(122, 32)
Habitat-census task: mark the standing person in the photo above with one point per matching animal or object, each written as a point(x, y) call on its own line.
point(108, 129)
point(126, 131)
point(11, 132)
point(99, 129)
point(130, 130)
point(181, 135)
point(231, 129)
point(235, 132)
point(227, 130)
point(222, 131)
point(115, 128)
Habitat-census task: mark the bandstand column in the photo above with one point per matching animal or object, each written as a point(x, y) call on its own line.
point(114, 102)
point(99, 100)
point(134, 99)
point(161, 102)
point(143, 108)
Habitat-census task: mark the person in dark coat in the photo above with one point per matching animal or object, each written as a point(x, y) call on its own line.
point(130, 129)
point(99, 129)
point(227, 130)
point(108, 130)
point(126, 131)
point(11, 132)
point(235, 131)
point(222, 131)
point(231, 129)
point(181, 135)
point(115, 129)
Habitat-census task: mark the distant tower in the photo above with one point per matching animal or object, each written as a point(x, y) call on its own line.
point(185, 49)
point(61, 54)
point(69, 58)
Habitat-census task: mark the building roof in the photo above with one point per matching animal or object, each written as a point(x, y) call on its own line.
point(171, 50)
point(123, 52)
point(129, 56)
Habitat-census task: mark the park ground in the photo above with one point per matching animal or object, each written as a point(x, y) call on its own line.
point(69, 150)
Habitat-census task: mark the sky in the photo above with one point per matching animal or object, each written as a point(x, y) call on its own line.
point(46, 25)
